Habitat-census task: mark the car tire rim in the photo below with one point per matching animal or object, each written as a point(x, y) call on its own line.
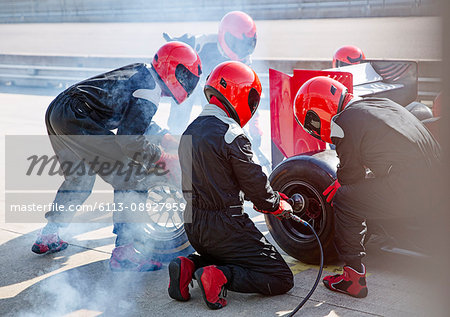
point(318, 209)
point(167, 205)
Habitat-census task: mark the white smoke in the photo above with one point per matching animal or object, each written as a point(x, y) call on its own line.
point(90, 288)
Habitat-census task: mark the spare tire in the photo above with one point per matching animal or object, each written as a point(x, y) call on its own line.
point(308, 175)
point(164, 238)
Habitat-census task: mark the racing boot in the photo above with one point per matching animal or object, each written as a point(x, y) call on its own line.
point(48, 243)
point(350, 282)
point(211, 281)
point(181, 270)
point(127, 258)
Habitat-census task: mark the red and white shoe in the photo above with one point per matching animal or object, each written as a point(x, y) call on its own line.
point(211, 281)
point(127, 258)
point(48, 243)
point(181, 271)
point(350, 282)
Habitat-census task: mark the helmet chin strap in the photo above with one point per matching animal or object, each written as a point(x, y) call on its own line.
point(217, 102)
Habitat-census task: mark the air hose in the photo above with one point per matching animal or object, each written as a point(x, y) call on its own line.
point(294, 201)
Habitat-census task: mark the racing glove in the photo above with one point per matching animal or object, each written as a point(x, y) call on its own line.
point(284, 210)
point(169, 142)
point(171, 164)
point(331, 190)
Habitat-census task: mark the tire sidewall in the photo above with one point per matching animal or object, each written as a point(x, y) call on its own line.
point(318, 172)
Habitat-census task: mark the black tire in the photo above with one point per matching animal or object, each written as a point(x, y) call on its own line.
point(308, 175)
point(165, 237)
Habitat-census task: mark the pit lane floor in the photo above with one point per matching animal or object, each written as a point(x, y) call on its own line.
point(78, 282)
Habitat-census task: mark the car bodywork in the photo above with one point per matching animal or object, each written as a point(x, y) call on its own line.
point(396, 80)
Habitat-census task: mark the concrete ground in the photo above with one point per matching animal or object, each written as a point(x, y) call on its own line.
point(77, 281)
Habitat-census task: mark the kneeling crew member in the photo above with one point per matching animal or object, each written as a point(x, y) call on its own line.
point(217, 171)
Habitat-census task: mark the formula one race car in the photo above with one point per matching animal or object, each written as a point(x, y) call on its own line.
point(307, 166)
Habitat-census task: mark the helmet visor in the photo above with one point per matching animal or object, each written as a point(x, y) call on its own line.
point(253, 100)
point(186, 78)
point(341, 63)
point(352, 61)
point(241, 47)
point(312, 124)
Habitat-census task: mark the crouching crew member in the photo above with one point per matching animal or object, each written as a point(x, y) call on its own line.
point(370, 134)
point(235, 41)
point(125, 99)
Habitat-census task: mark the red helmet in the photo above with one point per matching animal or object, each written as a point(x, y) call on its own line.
point(237, 35)
point(317, 101)
point(178, 69)
point(237, 87)
point(348, 55)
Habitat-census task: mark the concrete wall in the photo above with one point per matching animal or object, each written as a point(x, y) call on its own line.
point(16, 11)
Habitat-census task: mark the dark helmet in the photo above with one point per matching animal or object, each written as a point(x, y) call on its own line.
point(348, 55)
point(178, 68)
point(237, 87)
point(317, 101)
point(237, 35)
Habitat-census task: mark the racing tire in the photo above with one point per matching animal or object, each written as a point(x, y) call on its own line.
point(164, 237)
point(308, 175)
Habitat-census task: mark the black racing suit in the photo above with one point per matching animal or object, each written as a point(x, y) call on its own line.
point(80, 121)
point(217, 170)
point(384, 137)
point(207, 48)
